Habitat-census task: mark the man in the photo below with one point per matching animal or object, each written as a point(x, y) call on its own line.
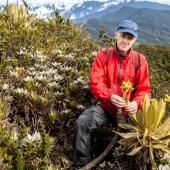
point(110, 68)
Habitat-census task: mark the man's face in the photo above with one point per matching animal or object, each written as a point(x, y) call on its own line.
point(124, 41)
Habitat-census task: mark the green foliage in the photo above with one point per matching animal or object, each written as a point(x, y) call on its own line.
point(44, 83)
point(159, 67)
point(43, 64)
point(20, 163)
point(45, 149)
point(104, 39)
point(19, 149)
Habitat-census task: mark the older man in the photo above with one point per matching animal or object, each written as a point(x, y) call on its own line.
point(110, 68)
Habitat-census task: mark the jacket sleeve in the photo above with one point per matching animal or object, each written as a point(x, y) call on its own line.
point(98, 79)
point(143, 84)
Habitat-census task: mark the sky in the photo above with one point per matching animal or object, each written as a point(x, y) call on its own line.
point(69, 3)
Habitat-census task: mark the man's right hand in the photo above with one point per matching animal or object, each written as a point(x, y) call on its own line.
point(118, 101)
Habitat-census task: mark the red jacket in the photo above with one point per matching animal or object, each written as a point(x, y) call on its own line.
point(107, 77)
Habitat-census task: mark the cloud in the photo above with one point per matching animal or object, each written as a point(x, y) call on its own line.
point(31, 2)
point(158, 1)
point(69, 3)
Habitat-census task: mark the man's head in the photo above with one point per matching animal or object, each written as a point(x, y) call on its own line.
point(126, 35)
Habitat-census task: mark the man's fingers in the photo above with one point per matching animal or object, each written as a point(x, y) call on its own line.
point(131, 107)
point(131, 110)
point(117, 100)
point(119, 104)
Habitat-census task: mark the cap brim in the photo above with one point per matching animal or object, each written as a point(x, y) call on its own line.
point(135, 34)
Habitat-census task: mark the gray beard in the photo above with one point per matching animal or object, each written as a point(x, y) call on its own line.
point(121, 53)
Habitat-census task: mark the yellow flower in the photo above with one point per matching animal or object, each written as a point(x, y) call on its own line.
point(127, 88)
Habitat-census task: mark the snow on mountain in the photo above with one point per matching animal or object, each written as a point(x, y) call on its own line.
point(77, 9)
point(108, 4)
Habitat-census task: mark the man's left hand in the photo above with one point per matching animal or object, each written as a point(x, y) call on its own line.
point(132, 107)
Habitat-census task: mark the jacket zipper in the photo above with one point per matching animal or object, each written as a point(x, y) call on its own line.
point(119, 73)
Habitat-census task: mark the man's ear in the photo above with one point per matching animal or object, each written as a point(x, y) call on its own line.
point(115, 35)
point(135, 40)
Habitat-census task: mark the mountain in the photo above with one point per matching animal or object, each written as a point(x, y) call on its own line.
point(95, 9)
point(80, 11)
point(83, 10)
point(153, 24)
point(153, 18)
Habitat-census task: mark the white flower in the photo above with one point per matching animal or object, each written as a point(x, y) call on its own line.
point(28, 78)
point(14, 74)
point(163, 167)
point(23, 51)
point(58, 77)
point(20, 68)
point(40, 77)
point(15, 136)
point(43, 73)
point(37, 65)
point(69, 56)
point(40, 55)
point(31, 68)
point(57, 94)
point(167, 166)
point(166, 156)
point(34, 137)
point(5, 86)
point(94, 53)
point(81, 79)
point(55, 64)
point(58, 52)
point(160, 166)
point(51, 71)
point(51, 84)
point(80, 106)
point(21, 91)
point(66, 111)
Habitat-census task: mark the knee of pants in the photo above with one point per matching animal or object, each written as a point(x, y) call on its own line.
point(82, 122)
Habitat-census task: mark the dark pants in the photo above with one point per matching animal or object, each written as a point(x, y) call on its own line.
point(91, 118)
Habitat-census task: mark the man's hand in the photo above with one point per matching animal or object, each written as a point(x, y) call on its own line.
point(118, 101)
point(132, 107)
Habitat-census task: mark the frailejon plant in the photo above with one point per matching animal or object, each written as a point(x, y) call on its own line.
point(149, 133)
point(17, 16)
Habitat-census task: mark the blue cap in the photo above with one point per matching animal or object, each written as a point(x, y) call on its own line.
point(129, 27)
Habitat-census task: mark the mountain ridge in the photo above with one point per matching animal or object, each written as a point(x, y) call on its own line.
point(98, 14)
point(151, 29)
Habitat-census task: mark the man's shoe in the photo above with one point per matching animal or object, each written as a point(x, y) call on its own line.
point(77, 167)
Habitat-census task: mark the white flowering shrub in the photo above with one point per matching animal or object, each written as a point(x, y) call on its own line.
point(20, 148)
point(45, 66)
